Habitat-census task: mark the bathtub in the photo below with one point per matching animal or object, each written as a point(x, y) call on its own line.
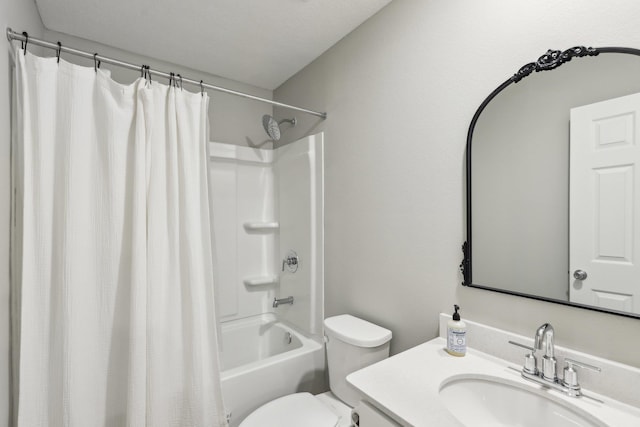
point(263, 358)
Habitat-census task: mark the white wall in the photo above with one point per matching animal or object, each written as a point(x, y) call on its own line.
point(400, 92)
point(22, 15)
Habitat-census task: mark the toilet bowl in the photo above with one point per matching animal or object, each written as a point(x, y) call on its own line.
point(352, 344)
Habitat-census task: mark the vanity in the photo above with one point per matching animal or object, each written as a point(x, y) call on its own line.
point(425, 386)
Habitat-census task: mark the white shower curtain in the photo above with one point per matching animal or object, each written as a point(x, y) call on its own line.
point(114, 311)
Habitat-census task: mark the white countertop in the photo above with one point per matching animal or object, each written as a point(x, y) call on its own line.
point(407, 386)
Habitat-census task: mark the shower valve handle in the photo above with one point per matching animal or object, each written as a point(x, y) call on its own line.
point(291, 262)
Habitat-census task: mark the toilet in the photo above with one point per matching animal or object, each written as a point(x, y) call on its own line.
point(352, 344)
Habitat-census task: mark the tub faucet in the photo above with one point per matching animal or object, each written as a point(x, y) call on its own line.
point(544, 338)
point(277, 302)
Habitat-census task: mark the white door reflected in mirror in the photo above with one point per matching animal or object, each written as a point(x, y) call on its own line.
point(604, 204)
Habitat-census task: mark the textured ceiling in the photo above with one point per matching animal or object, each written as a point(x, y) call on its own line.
point(260, 42)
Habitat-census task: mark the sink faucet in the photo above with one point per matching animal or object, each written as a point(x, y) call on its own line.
point(544, 338)
point(548, 376)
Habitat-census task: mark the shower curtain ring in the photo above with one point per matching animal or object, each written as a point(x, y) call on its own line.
point(171, 79)
point(201, 87)
point(180, 79)
point(25, 42)
point(96, 62)
point(145, 72)
point(58, 51)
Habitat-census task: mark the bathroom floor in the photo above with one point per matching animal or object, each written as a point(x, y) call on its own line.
point(337, 406)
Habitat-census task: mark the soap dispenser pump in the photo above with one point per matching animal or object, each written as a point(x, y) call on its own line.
point(456, 335)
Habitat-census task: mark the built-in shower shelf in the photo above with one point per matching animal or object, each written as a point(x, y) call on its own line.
point(261, 226)
point(261, 281)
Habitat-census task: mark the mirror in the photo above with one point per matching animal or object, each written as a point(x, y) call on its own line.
point(553, 182)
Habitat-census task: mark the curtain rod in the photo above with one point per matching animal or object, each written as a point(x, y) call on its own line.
point(12, 35)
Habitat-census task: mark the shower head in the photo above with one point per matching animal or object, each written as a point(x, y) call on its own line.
point(272, 127)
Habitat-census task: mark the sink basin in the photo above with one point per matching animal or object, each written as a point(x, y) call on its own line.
point(491, 401)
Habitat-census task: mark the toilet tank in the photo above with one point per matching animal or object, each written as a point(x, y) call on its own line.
point(352, 344)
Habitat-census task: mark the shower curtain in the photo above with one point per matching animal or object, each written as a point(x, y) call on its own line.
point(113, 321)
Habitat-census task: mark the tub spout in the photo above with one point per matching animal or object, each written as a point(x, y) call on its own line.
point(277, 302)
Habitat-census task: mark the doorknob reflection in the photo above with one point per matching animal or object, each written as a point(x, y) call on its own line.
point(580, 275)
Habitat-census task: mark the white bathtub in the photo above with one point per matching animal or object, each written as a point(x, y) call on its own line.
point(263, 359)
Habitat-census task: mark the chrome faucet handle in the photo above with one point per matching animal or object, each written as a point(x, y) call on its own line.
point(527, 347)
point(549, 368)
point(530, 361)
point(291, 262)
point(572, 362)
point(570, 376)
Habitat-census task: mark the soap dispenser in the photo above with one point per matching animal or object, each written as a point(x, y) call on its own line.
point(456, 335)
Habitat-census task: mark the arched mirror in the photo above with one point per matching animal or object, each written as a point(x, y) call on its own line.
point(553, 182)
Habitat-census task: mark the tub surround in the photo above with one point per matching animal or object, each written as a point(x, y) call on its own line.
point(406, 386)
point(268, 203)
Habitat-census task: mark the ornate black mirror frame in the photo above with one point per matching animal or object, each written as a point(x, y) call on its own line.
point(551, 60)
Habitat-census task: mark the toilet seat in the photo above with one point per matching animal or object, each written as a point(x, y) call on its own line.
point(293, 410)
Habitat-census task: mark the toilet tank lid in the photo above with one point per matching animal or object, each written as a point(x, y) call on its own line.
point(355, 331)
